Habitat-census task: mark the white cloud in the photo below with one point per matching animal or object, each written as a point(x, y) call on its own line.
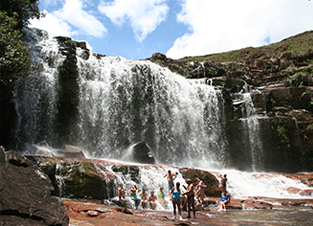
point(58, 23)
point(218, 26)
point(144, 16)
point(73, 13)
point(53, 25)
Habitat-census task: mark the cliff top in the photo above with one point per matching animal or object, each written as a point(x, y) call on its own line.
point(298, 44)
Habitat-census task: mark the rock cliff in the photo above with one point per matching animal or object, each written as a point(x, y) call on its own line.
point(25, 194)
point(280, 80)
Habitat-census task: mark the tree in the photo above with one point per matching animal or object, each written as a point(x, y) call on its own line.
point(22, 9)
point(15, 60)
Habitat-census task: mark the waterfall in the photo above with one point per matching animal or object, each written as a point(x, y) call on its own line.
point(121, 103)
point(298, 133)
point(251, 124)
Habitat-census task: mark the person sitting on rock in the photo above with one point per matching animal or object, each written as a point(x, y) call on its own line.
point(133, 196)
point(152, 199)
point(225, 199)
point(144, 200)
point(121, 192)
point(160, 194)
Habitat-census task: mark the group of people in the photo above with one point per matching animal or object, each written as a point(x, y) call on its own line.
point(178, 198)
point(144, 198)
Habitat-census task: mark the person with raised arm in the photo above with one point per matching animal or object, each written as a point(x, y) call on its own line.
point(170, 179)
point(223, 182)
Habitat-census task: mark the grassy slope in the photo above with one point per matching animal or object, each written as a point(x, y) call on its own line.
point(295, 45)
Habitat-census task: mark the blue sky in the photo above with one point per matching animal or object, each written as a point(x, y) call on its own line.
point(135, 29)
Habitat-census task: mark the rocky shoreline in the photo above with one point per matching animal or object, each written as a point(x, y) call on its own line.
point(28, 196)
point(82, 212)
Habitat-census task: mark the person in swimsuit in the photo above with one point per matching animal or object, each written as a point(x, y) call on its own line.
point(175, 197)
point(144, 199)
point(223, 182)
point(200, 190)
point(225, 199)
point(152, 199)
point(170, 179)
point(190, 198)
point(133, 196)
point(160, 194)
point(121, 192)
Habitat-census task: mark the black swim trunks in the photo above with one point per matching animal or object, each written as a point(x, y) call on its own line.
point(191, 197)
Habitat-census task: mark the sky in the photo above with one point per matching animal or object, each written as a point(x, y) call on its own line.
point(135, 29)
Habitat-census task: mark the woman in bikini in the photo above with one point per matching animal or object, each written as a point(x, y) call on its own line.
point(175, 196)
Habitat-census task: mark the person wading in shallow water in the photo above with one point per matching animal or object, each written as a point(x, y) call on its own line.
point(190, 198)
point(175, 197)
point(200, 190)
point(170, 179)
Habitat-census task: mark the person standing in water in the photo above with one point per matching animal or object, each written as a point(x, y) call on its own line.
point(170, 179)
point(225, 199)
point(190, 198)
point(200, 190)
point(175, 197)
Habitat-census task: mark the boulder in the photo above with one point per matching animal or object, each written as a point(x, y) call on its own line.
point(25, 194)
point(74, 152)
point(141, 153)
point(209, 180)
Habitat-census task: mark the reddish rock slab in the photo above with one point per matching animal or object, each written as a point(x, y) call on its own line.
point(305, 178)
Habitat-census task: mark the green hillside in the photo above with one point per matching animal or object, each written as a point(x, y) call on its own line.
point(298, 45)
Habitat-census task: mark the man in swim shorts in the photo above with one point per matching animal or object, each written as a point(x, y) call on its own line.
point(133, 196)
point(170, 179)
point(190, 198)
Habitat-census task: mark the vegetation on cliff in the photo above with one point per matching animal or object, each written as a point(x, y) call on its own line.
point(15, 58)
point(298, 46)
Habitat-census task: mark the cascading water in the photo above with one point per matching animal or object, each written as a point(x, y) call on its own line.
point(124, 102)
point(251, 123)
point(121, 103)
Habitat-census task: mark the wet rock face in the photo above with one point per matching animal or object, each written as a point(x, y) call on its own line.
point(142, 153)
point(25, 194)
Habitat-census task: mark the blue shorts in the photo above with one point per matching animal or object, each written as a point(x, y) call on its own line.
point(170, 185)
point(135, 198)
